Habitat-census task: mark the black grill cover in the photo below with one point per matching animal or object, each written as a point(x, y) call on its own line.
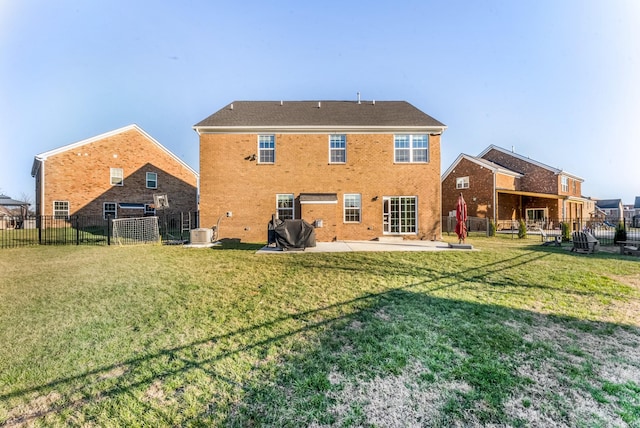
point(293, 234)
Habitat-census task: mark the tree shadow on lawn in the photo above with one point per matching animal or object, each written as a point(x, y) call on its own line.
point(400, 357)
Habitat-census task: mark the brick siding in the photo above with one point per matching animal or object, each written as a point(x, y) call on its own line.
point(81, 175)
point(230, 181)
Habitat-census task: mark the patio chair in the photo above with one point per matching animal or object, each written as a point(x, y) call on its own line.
point(584, 242)
point(550, 239)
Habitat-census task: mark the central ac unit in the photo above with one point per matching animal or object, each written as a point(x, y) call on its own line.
point(201, 236)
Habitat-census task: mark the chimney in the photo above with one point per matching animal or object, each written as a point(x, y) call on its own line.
point(319, 104)
point(231, 106)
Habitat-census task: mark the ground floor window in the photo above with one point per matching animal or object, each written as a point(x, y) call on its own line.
point(149, 210)
point(352, 208)
point(61, 209)
point(109, 210)
point(285, 206)
point(400, 214)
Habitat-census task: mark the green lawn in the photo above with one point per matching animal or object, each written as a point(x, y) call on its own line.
point(514, 334)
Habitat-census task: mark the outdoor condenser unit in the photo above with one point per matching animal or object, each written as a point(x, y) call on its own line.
point(201, 236)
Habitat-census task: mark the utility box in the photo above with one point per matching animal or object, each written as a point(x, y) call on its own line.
point(201, 236)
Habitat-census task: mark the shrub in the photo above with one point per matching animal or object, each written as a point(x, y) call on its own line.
point(493, 228)
point(621, 233)
point(522, 229)
point(566, 232)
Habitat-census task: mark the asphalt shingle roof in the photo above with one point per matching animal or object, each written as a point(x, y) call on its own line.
point(319, 113)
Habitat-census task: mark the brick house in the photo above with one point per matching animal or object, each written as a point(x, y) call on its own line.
point(116, 174)
point(505, 186)
point(356, 170)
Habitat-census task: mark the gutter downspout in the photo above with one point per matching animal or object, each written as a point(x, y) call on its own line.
point(495, 198)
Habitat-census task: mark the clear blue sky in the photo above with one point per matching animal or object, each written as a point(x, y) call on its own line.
point(557, 80)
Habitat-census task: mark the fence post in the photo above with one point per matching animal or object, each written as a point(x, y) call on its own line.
point(77, 230)
point(108, 230)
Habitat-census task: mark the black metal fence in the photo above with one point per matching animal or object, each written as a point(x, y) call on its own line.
point(20, 231)
point(607, 232)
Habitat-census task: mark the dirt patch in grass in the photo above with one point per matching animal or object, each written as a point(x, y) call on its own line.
point(391, 401)
point(568, 385)
point(39, 406)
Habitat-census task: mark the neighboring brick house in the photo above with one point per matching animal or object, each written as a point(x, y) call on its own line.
point(505, 186)
point(356, 170)
point(116, 174)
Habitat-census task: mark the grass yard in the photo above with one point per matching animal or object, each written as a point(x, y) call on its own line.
point(512, 335)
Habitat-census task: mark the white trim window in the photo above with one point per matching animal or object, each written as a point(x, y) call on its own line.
point(116, 176)
point(149, 210)
point(60, 209)
point(266, 148)
point(285, 206)
point(152, 180)
point(564, 183)
point(109, 209)
point(352, 208)
point(409, 148)
point(462, 183)
point(337, 148)
point(400, 215)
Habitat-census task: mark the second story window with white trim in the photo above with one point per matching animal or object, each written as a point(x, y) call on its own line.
point(116, 176)
point(462, 183)
point(337, 148)
point(409, 148)
point(152, 180)
point(285, 206)
point(266, 148)
point(564, 183)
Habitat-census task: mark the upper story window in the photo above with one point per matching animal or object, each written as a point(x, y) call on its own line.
point(266, 148)
point(337, 148)
point(565, 184)
point(462, 183)
point(109, 210)
point(61, 209)
point(285, 206)
point(411, 148)
point(152, 180)
point(352, 208)
point(117, 177)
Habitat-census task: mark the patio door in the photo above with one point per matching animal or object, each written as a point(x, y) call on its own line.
point(399, 215)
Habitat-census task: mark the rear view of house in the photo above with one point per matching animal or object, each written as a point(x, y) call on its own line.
point(114, 174)
point(356, 170)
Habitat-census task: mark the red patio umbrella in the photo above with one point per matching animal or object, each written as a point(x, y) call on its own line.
point(461, 219)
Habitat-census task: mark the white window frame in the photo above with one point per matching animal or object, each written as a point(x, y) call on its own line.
point(116, 176)
point(282, 209)
point(408, 150)
point(462, 182)
point(564, 183)
point(149, 210)
point(267, 149)
point(114, 210)
point(337, 148)
point(154, 180)
point(352, 208)
point(406, 225)
point(60, 209)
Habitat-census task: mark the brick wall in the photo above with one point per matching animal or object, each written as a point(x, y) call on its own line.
point(229, 181)
point(81, 176)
